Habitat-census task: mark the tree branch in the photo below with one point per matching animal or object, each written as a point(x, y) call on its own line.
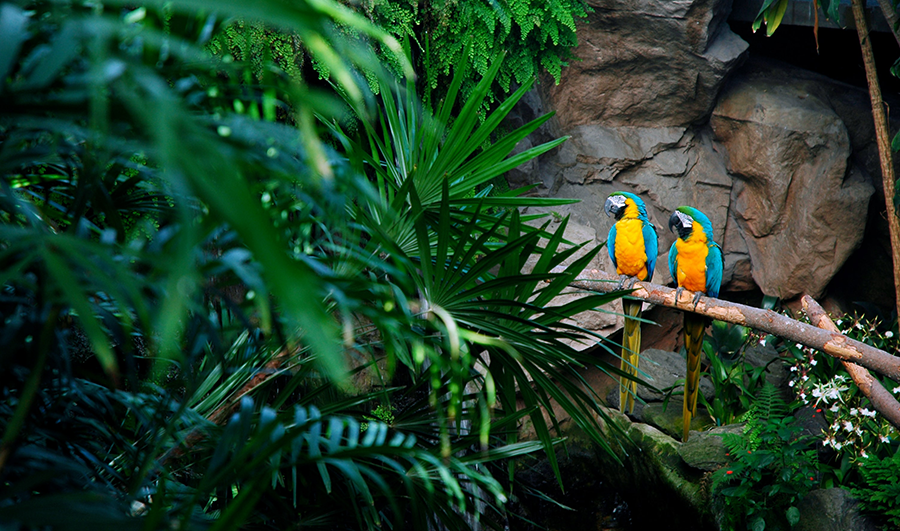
point(882, 138)
point(881, 399)
point(891, 16)
point(831, 343)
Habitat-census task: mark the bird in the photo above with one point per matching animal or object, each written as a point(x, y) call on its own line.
point(695, 262)
point(632, 245)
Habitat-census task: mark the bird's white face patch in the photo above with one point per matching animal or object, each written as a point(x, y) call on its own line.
point(684, 219)
point(614, 203)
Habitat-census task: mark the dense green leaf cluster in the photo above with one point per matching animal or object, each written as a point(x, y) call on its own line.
point(772, 465)
point(205, 305)
point(879, 492)
point(535, 36)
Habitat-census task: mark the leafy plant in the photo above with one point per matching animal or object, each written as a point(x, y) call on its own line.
point(854, 428)
point(772, 466)
point(879, 489)
point(188, 272)
point(535, 37)
point(735, 380)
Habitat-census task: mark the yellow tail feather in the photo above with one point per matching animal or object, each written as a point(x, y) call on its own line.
point(694, 327)
point(631, 348)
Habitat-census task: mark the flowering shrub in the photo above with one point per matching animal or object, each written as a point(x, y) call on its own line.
point(854, 427)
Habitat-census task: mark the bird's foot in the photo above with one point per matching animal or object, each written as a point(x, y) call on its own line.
point(678, 291)
point(697, 299)
point(630, 282)
point(622, 280)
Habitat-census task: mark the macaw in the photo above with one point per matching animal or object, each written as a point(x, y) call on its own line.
point(632, 245)
point(695, 261)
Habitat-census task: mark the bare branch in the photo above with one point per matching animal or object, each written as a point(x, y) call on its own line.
point(831, 343)
point(881, 399)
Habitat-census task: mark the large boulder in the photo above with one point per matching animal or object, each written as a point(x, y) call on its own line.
point(801, 209)
point(831, 510)
point(647, 62)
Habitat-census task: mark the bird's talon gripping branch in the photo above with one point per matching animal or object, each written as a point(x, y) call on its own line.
point(697, 299)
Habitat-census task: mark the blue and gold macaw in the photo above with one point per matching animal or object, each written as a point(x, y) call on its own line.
point(695, 262)
point(632, 246)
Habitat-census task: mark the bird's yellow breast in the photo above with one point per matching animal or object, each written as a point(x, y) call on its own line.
point(631, 254)
point(691, 264)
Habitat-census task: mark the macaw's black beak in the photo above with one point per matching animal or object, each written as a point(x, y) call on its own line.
point(614, 206)
point(681, 223)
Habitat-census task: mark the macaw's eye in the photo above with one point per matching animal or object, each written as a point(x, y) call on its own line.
point(614, 204)
point(680, 222)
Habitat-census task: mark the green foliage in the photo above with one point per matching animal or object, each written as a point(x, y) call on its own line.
point(772, 12)
point(879, 490)
point(427, 175)
point(188, 272)
point(261, 47)
point(736, 381)
point(534, 36)
point(772, 466)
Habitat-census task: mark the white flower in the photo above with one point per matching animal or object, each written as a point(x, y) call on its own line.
point(833, 394)
point(803, 397)
point(813, 362)
point(896, 389)
point(804, 377)
point(854, 411)
point(859, 431)
point(799, 346)
point(858, 326)
point(838, 446)
point(884, 438)
point(866, 412)
point(834, 408)
point(863, 453)
point(762, 341)
point(793, 368)
point(888, 334)
point(839, 322)
point(828, 441)
point(848, 426)
point(817, 392)
point(791, 383)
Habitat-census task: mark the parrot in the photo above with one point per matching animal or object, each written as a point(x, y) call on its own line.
point(632, 245)
point(695, 262)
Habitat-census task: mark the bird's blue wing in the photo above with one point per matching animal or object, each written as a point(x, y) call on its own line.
point(651, 247)
point(714, 267)
point(673, 262)
point(611, 244)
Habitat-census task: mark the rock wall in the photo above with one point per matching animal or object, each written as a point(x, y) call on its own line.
point(652, 63)
point(663, 102)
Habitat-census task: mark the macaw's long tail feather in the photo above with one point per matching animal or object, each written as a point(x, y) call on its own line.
point(694, 327)
point(631, 348)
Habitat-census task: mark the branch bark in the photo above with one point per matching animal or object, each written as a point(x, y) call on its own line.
point(882, 137)
point(882, 400)
point(891, 16)
point(831, 343)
